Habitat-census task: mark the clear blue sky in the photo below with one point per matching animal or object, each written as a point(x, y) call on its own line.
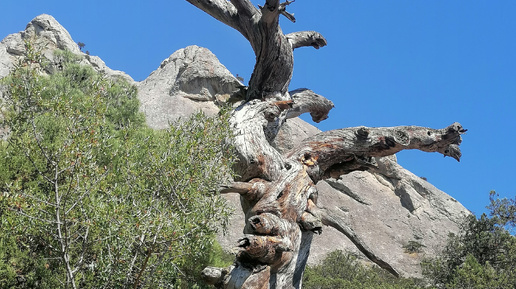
point(387, 63)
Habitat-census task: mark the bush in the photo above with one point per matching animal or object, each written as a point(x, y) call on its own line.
point(343, 270)
point(90, 197)
point(503, 210)
point(483, 255)
point(413, 247)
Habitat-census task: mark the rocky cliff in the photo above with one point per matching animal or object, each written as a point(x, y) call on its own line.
point(388, 208)
point(46, 34)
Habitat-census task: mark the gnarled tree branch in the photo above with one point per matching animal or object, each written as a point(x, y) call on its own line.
point(306, 38)
point(256, 157)
point(307, 101)
point(333, 149)
point(278, 193)
point(221, 10)
point(245, 8)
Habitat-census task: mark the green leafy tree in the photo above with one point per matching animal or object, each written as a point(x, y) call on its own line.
point(90, 197)
point(504, 210)
point(482, 255)
point(81, 45)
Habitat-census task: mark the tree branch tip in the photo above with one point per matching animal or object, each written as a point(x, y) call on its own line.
point(286, 3)
point(456, 127)
point(310, 222)
point(283, 11)
point(289, 16)
point(452, 150)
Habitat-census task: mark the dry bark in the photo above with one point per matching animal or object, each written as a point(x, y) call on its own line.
point(278, 192)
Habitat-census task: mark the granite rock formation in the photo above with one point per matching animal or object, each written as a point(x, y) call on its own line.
point(47, 35)
point(191, 79)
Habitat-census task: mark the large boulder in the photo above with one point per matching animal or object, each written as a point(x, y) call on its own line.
point(388, 208)
point(191, 79)
point(392, 214)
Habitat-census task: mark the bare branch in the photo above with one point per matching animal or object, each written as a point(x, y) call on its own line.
point(306, 38)
point(236, 187)
point(221, 10)
point(305, 101)
point(270, 12)
point(32, 217)
point(283, 10)
point(245, 8)
point(37, 199)
point(62, 234)
point(338, 147)
point(256, 157)
point(84, 246)
point(288, 15)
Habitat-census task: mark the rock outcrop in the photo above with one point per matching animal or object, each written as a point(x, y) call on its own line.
point(388, 208)
point(191, 79)
point(47, 35)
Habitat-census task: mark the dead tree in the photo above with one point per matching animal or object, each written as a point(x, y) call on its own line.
point(278, 192)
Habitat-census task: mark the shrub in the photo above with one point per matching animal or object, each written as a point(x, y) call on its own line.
point(90, 197)
point(413, 247)
point(482, 255)
point(343, 270)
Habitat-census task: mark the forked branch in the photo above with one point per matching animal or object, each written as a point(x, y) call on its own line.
point(245, 8)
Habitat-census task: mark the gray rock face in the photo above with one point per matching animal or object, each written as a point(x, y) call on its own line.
point(191, 79)
point(45, 30)
point(9, 51)
point(387, 208)
point(390, 210)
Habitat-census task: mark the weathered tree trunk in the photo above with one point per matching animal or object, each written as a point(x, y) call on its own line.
point(278, 192)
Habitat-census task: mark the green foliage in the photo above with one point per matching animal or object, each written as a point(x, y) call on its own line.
point(483, 255)
point(343, 270)
point(413, 247)
point(219, 257)
point(15, 258)
point(90, 197)
point(503, 210)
